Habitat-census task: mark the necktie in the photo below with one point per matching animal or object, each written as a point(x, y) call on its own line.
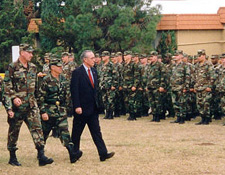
point(90, 78)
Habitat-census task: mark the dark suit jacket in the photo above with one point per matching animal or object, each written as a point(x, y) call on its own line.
point(82, 93)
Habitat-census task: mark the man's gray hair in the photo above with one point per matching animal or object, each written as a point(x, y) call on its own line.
point(84, 54)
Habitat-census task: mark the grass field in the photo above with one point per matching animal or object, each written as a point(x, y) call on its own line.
point(141, 147)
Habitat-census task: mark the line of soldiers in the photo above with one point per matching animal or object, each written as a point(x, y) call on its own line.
point(180, 85)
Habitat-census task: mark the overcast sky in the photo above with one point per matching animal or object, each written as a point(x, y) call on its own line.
point(189, 6)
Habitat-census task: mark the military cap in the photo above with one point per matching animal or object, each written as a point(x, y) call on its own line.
point(97, 55)
point(214, 56)
point(55, 60)
point(222, 55)
point(159, 56)
point(185, 55)
point(119, 54)
point(26, 47)
point(178, 52)
point(153, 53)
point(135, 54)
point(143, 56)
point(105, 53)
point(195, 57)
point(113, 55)
point(201, 52)
point(127, 53)
point(65, 54)
point(71, 55)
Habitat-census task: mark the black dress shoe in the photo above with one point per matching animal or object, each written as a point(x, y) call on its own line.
point(107, 156)
point(78, 155)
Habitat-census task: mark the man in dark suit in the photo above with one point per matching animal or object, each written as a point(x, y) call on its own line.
point(83, 92)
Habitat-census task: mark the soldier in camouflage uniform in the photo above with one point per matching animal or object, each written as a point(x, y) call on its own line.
point(72, 64)
point(215, 107)
point(203, 86)
point(53, 102)
point(156, 85)
point(122, 107)
point(140, 88)
point(220, 85)
point(168, 105)
point(97, 66)
point(180, 82)
point(144, 100)
point(108, 84)
point(68, 68)
point(130, 84)
point(21, 105)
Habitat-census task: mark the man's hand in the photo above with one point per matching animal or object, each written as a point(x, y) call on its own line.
point(40, 74)
point(161, 89)
point(113, 88)
point(78, 110)
point(10, 113)
point(17, 102)
point(120, 88)
point(208, 89)
point(45, 117)
point(184, 90)
point(133, 88)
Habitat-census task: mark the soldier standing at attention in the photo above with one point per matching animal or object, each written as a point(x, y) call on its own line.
point(97, 66)
point(180, 82)
point(52, 102)
point(203, 86)
point(108, 84)
point(156, 85)
point(21, 105)
point(129, 85)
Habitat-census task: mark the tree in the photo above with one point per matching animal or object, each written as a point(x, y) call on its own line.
point(114, 25)
point(13, 29)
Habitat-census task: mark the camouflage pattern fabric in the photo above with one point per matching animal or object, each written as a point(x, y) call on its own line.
point(179, 81)
point(52, 100)
point(204, 78)
point(20, 82)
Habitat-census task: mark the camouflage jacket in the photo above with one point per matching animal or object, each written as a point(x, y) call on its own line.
point(52, 96)
point(119, 68)
point(156, 76)
point(220, 85)
point(180, 78)
point(108, 76)
point(204, 76)
point(128, 76)
point(68, 69)
point(19, 82)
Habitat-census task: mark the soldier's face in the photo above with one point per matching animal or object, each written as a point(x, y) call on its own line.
point(214, 60)
point(97, 60)
point(56, 69)
point(27, 56)
point(89, 60)
point(143, 61)
point(114, 60)
point(127, 58)
point(65, 59)
point(105, 58)
point(223, 60)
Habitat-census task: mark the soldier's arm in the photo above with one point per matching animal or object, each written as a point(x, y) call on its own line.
point(187, 78)
point(164, 78)
point(42, 92)
point(8, 92)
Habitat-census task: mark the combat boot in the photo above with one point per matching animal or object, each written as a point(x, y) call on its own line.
point(106, 115)
point(201, 122)
point(154, 118)
point(72, 153)
point(176, 121)
point(110, 116)
point(157, 118)
point(13, 159)
point(182, 120)
point(207, 120)
point(43, 160)
point(131, 117)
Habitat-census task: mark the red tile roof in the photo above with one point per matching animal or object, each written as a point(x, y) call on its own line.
point(193, 21)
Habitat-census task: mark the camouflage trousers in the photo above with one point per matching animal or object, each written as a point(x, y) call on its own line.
point(179, 103)
point(138, 101)
point(203, 103)
point(222, 102)
point(155, 99)
point(131, 104)
point(119, 102)
point(167, 103)
point(108, 98)
point(100, 102)
point(191, 103)
point(215, 108)
point(32, 119)
point(144, 103)
point(61, 125)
